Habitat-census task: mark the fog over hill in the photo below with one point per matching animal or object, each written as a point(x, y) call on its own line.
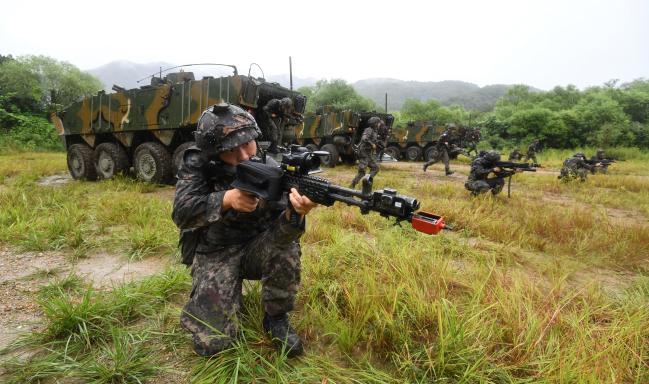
point(448, 92)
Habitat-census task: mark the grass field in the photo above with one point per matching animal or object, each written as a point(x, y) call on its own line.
point(548, 286)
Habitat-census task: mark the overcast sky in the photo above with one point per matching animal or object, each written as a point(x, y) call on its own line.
point(539, 43)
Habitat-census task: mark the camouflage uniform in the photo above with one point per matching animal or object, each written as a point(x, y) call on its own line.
point(383, 133)
point(596, 159)
point(232, 246)
point(366, 151)
point(575, 167)
point(515, 155)
point(275, 113)
point(478, 181)
point(532, 149)
point(443, 147)
point(474, 139)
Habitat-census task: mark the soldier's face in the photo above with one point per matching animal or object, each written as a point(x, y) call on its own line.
point(239, 154)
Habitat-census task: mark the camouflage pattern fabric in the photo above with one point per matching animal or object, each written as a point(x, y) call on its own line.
point(532, 149)
point(515, 155)
point(442, 147)
point(274, 115)
point(479, 182)
point(597, 158)
point(234, 246)
point(365, 155)
point(575, 168)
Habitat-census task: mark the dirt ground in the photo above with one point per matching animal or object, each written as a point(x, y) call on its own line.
point(22, 273)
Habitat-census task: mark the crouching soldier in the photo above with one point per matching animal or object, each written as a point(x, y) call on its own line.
point(478, 181)
point(575, 167)
point(239, 236)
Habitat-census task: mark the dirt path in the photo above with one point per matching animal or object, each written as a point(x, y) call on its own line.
point(23, 273)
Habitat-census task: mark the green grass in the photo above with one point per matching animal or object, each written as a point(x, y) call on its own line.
point(549, 286)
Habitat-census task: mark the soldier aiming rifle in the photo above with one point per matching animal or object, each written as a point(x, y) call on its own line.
point(487, 163)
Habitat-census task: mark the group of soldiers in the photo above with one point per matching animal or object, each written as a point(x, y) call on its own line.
point(228, 234)
point(578, 167)
point(532, 150)
point(483, 165)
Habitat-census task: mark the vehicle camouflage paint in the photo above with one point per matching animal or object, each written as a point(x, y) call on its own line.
point(416, 141)
point(151, 126)
point(336, 132)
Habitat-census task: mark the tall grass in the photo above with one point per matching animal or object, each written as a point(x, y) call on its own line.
point(548, 286)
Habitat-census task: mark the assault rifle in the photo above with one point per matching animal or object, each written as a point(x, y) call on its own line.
point(602, 164)
point(269, 182)
point(508, 170)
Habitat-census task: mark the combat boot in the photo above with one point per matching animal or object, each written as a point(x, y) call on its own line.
point(425, 166)
point(449, 172)
point(283, 335)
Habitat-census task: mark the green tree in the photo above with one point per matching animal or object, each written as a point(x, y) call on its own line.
point(61, 83)
point(20, 87)
point(338, 94)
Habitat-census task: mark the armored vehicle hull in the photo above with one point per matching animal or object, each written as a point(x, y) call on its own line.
point(148, 128)
point(336, 132)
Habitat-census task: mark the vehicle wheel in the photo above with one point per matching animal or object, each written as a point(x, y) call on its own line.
point(311, 147)
point(152, 163)
point(178, 155)
point(393, 151)
point(332, 159)
point(110, 160)
point(431, 153)
point(81, 162)
point(413, 153)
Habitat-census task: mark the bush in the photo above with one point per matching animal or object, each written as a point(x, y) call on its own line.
point(27, 133)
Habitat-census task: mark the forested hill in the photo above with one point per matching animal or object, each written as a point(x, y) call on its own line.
point(448, 92)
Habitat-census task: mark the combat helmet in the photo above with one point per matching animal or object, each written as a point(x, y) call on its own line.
point(286, 102)
point(491, 156)
point(222, 127)
point(373, 121)
point(579, 154)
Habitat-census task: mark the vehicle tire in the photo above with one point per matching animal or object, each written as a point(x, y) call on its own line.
point(430, 153)
point(393, 151)
point(332, 159)
point(152, 163)
point(178, 156)
point(413, 153)
point(311, 147)
point(81, 162)
point(110, 159)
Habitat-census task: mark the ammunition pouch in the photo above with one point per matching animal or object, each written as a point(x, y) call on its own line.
point(188, 243)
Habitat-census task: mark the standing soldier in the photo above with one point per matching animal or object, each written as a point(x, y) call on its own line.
point(575, 167)
point(473, 138)
point(383, 135)
point(367, 150)
point(228, 235)
point(532, 149)
point(478, 181)
point(443, 148)
point(275, 114)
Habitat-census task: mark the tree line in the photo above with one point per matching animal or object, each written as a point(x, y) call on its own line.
point(610, 115)
point(614, 114)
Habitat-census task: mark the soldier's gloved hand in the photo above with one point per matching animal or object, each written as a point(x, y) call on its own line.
point(374, 146)
point(498, 169)
point(239, 201)
point(301, 204)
